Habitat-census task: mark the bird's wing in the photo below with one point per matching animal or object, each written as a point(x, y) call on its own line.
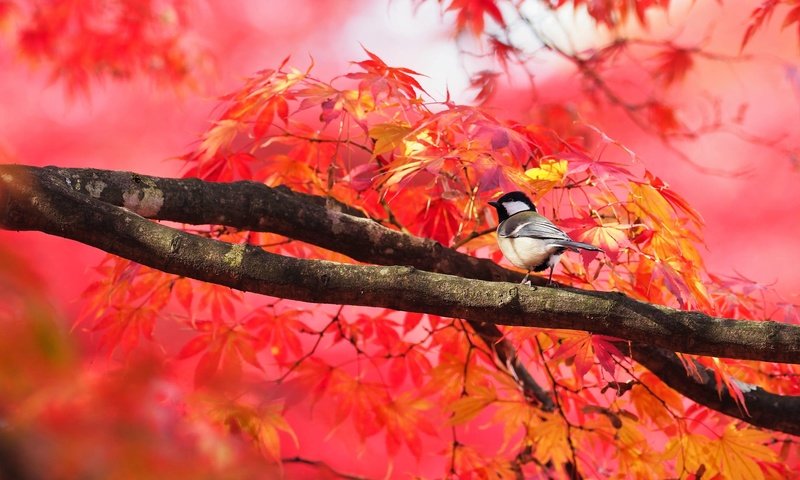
point(535, 226)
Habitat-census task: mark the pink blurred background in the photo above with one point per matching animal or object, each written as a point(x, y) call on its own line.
point(751, 218)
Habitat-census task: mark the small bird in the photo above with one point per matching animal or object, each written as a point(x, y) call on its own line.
point(529, 240)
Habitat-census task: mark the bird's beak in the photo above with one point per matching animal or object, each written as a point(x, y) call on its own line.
point(494, 204)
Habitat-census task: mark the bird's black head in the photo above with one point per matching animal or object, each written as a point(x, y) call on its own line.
point(511, 203)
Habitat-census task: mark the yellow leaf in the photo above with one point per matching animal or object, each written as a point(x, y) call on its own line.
point(359, 103)
point(547, 175)
point(399, 170)
point(220, 135)
point(652, 404)
point(734, 455)
point(550, 170)
point(261, 424)
point(550, 439)
point(611, 236)
point(636, 458)
point(513, 415)
point(417, 144)
point(388, 136)
point(738, 452)
point(692, 452)
point(468, 407)
point(470, 463)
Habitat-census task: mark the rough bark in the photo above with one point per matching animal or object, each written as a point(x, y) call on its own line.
point(85, 205)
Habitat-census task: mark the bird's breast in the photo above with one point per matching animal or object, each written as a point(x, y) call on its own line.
point(528, 253)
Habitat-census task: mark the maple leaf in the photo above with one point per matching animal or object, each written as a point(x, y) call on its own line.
point(97, 40)
point(758, 16)
point(362, 402)
point(439, 220)
point(223, 348)
point(513, 415)
point(405, 417)
point(725, 380)
point(278, 332)
point(673, 64)
point(469, 406)
point(611, 236)
point(470, 14)
point(419, 366)
point(737, 453)
point(792, 17)
point(388, 136)
point(602, 11)
point(634, 455)
point(219, 299)
point(447, 378)
point(261, 424)
point(222, 167)
point(602, 169)
point(485, 82)
point(470, 463)
point(358, 103)
point(549, 437)
point(501, 136)
point(380, 329)
point(678, 203)
point(220, 136)
point(379, 78)
point(502, 51)
point(656, 402)
point(691, 452)
point(275, 105)
point(314, 377)
point(582, 347)
point(548, 174)
point(126, 304)
point(648, 202)
point(123, 327)
point(117, 275)
point(183, 289)
point(663, 117)
point(411, 320)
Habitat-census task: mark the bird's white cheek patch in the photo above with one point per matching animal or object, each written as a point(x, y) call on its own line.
point(515, 207)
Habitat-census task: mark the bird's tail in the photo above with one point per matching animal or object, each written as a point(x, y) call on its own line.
point(576, 245)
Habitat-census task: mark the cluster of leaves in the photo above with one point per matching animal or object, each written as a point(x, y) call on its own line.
point(471, 14)
point(96, 40)
point(762, 14)
point(634, 64)
point(373, 139)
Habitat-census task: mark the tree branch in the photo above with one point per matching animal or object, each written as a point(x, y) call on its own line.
point(768, 410)
point(79, 204)
point(320, 221)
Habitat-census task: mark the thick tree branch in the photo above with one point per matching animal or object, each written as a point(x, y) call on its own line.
point(315, 220)
point(48, 200)
point(253, 206)
point(776, 412)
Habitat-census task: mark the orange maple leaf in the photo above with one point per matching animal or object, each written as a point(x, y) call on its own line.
point(405, 417)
